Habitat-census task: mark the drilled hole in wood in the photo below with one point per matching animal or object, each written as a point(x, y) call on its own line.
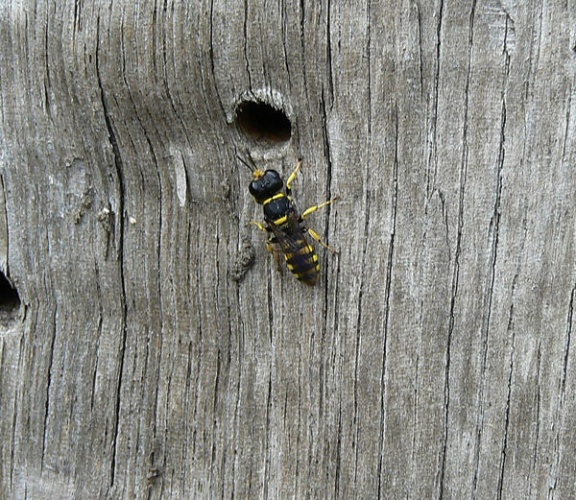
point(263, 123)
point(9, 302)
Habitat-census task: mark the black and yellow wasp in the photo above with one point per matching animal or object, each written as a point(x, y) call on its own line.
point(284, 225)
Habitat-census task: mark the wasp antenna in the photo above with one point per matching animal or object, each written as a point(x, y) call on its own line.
point(250, 167)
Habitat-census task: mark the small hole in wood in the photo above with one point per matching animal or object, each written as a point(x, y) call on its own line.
point(9, 302)
point(263, 123)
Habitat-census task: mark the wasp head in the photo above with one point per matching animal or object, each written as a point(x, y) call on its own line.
point(265, 185)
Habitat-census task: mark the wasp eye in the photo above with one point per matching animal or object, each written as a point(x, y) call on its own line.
point(273, 180)
point(266, 186)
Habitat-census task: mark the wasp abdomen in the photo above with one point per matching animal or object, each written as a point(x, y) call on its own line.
point(303, 262)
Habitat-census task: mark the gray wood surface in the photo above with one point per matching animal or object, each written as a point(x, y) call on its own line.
point(435, 359)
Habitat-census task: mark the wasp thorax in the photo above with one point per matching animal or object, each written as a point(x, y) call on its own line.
point(265, 186)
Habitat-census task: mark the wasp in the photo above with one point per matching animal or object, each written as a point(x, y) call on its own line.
point(284, 225)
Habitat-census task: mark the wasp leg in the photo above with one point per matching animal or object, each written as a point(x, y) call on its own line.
point(313, 233)
point(273, 247)
point(259, 225)
point(316, 236)
point(271, 244)
point(313, 209)
point(292, 177)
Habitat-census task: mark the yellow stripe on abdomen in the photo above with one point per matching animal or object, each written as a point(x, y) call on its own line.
point(303, 263)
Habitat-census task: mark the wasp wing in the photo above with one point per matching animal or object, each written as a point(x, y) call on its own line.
point(299, 254)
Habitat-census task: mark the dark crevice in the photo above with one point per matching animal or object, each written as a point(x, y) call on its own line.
point(567, 341)
point(456, 268)
point(502, 468)
point(215, 426)
point(303, 68)
point(96, 360)
point(238, 400)
point(494, 238)
point(387, 293)
point(369, 84)
point(420, 50)
point(211, 38)
point(432, 158)
point(329, 55)
point(119, 167)
point(245, 48)
point(536, 451)
point(338, 463)
point(268, 444)
point(48, 81)
point(213, 23)
point(165, 77)
point(49, 382)
point(494, 232)
point(560, 407)
point(285, 40)
point(358, 344)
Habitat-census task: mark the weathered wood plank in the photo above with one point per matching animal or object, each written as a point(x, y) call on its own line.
point(435, 358)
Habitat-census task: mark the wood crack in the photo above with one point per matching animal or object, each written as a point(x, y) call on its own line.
point(119, 168)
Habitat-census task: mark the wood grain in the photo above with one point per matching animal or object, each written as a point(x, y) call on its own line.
point(435, 359)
